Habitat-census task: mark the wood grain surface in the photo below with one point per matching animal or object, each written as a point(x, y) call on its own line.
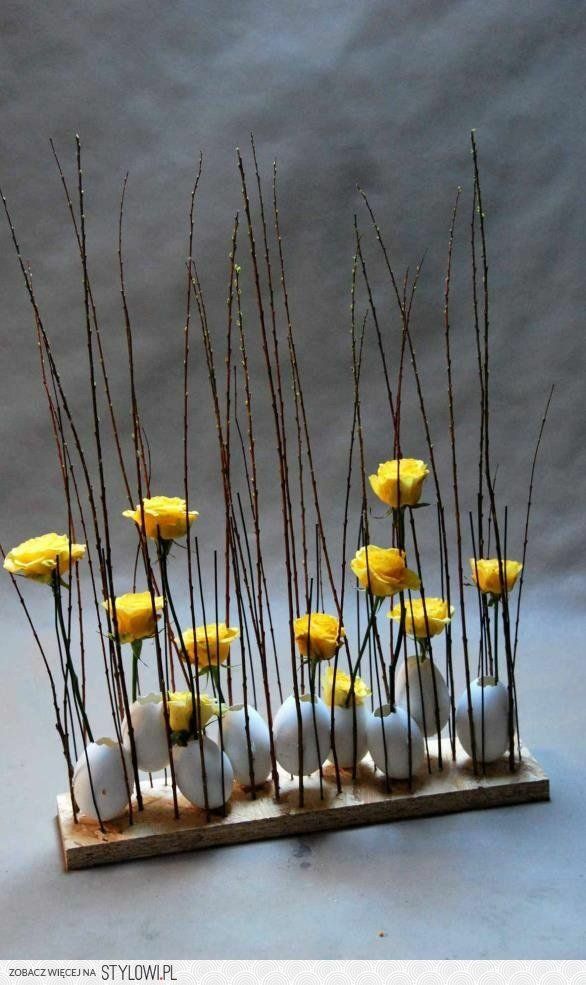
point(156, 832)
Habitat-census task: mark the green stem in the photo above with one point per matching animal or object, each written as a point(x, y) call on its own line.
point(375, 608)
point(496, 640)
point(163, 550)
point(397, 652)
point(69, 662)
point(399, 525)
point(136, 651)
point(312, 673)
point(215, 676)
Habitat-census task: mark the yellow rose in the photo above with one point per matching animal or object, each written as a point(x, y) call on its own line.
point(163, 515)
point(210, 646)
point(134, 615)
point(489, 574)
point(416, 624)
point(399, 483)
point(338, 694)
point(37, 558)
point(181, 708)
point(385, 573)
point(318, 636)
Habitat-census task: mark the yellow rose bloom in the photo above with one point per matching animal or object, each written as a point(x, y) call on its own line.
point(337, 693)
point(163, 515)
point(416, 624)
point(210, 646)
point(134, 615)
point(383, 570)
point(37, 558)
point(318, 635)
point(486, 573)
point(399, 482)
point(181, 707)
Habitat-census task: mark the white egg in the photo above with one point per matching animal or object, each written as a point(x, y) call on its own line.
point(490, 718)
point(236, 735)
point(189, 774)
point(429, 704)
point(388, 742)
point(106, 777)
point(150, 736)
point(346, 754)
point(315, 733)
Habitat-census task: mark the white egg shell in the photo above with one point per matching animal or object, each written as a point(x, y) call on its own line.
point(492, 738)
point(420, 674)
point(236, 744)
point(344, 735)
point(315, 734)
point(388, 742)
point(106, 776)
point(189, 774)
point(150, 737)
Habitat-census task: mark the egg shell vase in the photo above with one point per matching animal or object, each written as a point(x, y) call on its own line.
point(107, 778)
point(388, 735)
point(428, 702)
point(346, 753)
point(244, 742)
point(219, 775)
point(150, 736)
point(315, 734)
point(490, 718)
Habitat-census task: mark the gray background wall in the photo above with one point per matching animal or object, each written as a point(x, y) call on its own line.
point(383, 94)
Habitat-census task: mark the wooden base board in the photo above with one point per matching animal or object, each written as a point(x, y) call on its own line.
point(156, 832)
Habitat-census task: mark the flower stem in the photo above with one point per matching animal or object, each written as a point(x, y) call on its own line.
point(215, 676)
point(74, 680)
point(373, 614)
point(136, 651)
point(495, 669)
point(399, 525)
point(399, 528)
point(312, 672)
point(397, 652)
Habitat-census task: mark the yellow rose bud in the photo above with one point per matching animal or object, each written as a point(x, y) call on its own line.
point(399, 482)
point(181, 708)
point(210, 646)
point(134, 615)
point(486, 573)
point(39, 557)
point(336, 688)
point(318, 636)
point(164, 516)
point(383, 570)
point(416, 623)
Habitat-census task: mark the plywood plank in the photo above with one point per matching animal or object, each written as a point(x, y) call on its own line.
point(364, 801)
